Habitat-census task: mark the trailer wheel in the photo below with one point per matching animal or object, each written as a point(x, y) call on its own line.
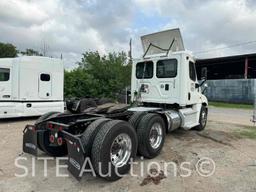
point(202, 119)
point(135, 119)
point(90, 133)
point(113, 149)
point(151, 135)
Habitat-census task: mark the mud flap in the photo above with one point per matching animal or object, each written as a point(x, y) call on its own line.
point(30, 140)
point(75, 154)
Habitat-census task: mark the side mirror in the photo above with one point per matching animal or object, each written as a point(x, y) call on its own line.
point(205, 88)
point(204, 73)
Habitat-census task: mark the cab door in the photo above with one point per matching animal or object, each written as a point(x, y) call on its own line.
point(5, 83)
point(193, 92)
point(45, 85)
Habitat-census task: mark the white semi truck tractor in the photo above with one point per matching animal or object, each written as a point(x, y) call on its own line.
point(165, 96)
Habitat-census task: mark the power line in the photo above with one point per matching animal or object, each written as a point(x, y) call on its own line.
point(230, 46)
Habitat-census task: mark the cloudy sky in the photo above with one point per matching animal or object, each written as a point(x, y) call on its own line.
point(71, 27)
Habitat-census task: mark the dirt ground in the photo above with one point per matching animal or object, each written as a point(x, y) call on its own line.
point(234, 157)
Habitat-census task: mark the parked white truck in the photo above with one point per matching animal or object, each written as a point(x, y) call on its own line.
point(30, 86)
point(166, 96)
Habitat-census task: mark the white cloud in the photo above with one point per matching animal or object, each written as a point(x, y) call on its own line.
point(209, 24)
point(21, 13)
point(72, 27)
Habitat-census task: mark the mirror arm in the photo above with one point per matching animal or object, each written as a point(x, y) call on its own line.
point(202, 82)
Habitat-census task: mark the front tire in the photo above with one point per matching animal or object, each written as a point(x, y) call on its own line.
point(113, 148)
point(202, 119)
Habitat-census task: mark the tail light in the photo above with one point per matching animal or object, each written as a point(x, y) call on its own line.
point(50, 126)
point(59, 141)
point(51, 138)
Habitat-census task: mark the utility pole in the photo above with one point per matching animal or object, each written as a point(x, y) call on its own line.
point(130, 51)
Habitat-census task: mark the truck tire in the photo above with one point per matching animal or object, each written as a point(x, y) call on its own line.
point(135, 119)
point(114, 147)
point(43, 138)
point(85, 104)
point(151, 135)
point(103, 101)
point(202, 119)
point(90, 133)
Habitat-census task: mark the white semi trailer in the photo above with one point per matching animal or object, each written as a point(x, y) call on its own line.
point(166, 96)
point(30, 86)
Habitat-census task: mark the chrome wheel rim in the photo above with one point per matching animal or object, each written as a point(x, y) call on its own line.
point(120, 150)
point(203, 118)
point(156, 135)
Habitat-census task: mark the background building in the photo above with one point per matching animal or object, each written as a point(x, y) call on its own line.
point(230, 79)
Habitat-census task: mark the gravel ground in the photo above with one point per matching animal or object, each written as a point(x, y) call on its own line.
point(234, 157)
point(229, 115)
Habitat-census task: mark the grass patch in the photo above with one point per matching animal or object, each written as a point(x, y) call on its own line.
point(247, 132)
point(230, 105)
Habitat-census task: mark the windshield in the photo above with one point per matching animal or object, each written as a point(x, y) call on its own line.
point(4, 74)
point(144, 70)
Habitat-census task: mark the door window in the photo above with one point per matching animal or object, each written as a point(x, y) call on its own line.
point(4, 74)
point(192, 71)
point(166, 68)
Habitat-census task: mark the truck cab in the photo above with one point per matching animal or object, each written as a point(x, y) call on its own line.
point(166, 78)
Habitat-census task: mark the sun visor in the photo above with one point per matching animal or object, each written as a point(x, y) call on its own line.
point(162, 42)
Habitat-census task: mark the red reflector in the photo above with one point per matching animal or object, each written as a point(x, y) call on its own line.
point(51, 138)
point(50, 125)
point(59, 141)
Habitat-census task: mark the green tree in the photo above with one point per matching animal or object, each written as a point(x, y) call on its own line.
point(7, 50)
point(98, 76)
point(31, 52)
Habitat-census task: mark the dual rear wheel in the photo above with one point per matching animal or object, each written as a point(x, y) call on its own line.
point(115, 143)
point(151, 131)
